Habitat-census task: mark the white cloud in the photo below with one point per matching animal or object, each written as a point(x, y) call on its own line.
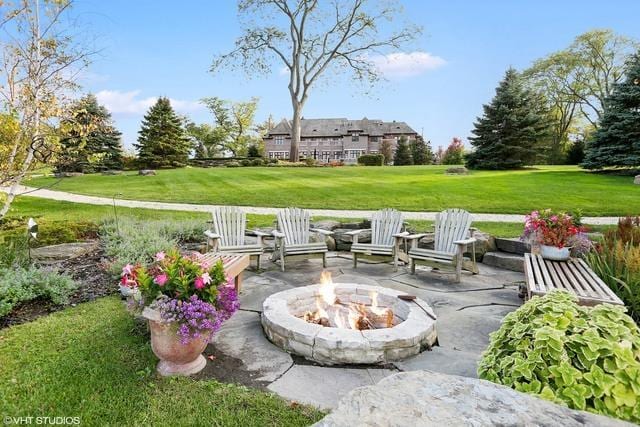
point(400, 64)
point(129, 103)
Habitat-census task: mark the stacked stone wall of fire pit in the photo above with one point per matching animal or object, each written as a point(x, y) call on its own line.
point(414, 327)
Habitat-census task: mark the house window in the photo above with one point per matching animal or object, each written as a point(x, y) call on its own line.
point(355, 137)
point(373, 138)
point(278, 154)
point(326, 155)
point(279, 140)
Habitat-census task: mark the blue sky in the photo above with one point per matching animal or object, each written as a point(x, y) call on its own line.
point(161, 48)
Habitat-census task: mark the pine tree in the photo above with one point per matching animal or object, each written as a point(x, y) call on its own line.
point(162, 141)
point(513, 125)
point(402, 155)
point(98, 149)
point(616, 143)
point(420, 151)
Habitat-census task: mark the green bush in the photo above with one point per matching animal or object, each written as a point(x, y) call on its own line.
point(616, 260)
point(245, 162)
point(133, 241)
point(49, 232)
point(257, 162)
point(587, 358)
point(232, 164)
point(371, 160)
point(21, 284)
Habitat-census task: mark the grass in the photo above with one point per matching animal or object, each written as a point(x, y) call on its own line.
point(90, 362)
point(410, 188)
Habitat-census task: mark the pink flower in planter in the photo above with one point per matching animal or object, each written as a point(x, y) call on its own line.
point(206, 279)
point(161, 279)
point(198, 283)
point(160, 256)
point(127, 269)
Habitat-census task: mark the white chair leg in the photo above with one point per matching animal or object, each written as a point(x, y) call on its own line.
point(355, 260)
point(324, 260)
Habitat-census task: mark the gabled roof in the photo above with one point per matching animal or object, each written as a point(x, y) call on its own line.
point(342, 126)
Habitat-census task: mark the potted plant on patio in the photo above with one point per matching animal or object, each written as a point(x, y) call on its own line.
point(185, 300)
point(555, 232)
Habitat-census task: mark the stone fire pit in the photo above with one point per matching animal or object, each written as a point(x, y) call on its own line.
point(413, 325)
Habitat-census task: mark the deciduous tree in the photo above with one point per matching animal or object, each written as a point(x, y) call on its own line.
point(310, 38)
point(234, 123)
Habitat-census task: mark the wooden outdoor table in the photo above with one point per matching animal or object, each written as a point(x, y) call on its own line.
point(573, 275)
point(233, 265)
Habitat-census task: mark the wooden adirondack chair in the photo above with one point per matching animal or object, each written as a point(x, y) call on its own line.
point(386, 237)
point(293, 236)
point(452, 236)
point(228, 233)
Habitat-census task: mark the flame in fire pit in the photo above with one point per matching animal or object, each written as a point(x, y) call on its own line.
point(330, 311)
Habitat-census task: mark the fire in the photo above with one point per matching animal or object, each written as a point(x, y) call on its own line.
point(331, 312)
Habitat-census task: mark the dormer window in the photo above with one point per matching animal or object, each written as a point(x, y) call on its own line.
point(355, 136)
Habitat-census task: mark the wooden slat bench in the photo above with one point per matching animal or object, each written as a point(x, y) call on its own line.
point(233, 265)
point(574, 275)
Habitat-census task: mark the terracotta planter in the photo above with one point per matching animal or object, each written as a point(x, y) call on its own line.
point(555, 254)
point(175, 358)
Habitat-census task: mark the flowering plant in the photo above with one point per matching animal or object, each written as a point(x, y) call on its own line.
point(550, 228)
point(187, 291)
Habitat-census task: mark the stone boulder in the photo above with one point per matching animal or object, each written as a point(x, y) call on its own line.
point(458, 170)
point(636, 180)
point(64, 251)
point(426, 398)
point(344, 241)
point(111, 172)
point(326, 224)
point(67, 174)
point(147, 172)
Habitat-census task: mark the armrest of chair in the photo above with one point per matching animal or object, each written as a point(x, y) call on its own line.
point(416, 236)
point(211, 235)
point(260, 233)
point(402, 235)
point(356, 232)
point(277, 234)
point(465, 242)
point(321, 231)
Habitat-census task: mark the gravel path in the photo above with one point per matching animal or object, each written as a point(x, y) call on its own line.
point(191, 207)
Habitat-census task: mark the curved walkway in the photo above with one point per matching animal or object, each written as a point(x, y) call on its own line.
point(192, 207)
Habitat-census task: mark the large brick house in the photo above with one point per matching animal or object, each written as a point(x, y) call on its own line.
point(335, 139)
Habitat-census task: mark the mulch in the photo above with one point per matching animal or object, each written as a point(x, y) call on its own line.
point(88, 271)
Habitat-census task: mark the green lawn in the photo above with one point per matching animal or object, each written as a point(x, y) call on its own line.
point(411, 188)
point(90, 362)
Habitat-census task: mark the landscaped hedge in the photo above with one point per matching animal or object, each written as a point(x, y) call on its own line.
point(371, 160)
point(587, 358)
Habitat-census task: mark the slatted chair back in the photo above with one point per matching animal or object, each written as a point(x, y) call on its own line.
point(451, 225)
point(384, 224)
point(230, 223)
point(295, 224)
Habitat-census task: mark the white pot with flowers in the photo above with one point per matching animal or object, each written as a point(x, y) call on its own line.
point(555, 233)
point(185, 300)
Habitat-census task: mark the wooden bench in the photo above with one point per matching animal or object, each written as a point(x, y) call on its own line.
point(574, 275)
point(233, 265)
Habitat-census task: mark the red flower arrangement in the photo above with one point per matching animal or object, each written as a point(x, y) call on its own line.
point(552, 229)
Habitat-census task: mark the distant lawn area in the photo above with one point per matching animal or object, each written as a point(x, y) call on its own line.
point(410, 188)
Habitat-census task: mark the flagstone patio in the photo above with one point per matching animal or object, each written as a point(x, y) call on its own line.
point(467, 313)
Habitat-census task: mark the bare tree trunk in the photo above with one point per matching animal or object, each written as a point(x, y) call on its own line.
point(294, 154)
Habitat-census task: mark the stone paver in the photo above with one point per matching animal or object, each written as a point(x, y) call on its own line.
point(322, 386)
point(191, 207)
point(445, 360)
point(241, 337)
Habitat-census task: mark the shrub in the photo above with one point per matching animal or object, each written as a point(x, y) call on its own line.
point(133, 241)
point(232, 164)
point(22, 284)
point(245, 162)
point(257, 162)
point(371, 160)
point(310, 161)
point(587, 358)
point(616, 260)
point(49, 232)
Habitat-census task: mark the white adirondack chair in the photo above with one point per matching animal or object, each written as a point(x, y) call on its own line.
point(228, 233)
point(452, 236)
point(386, 237)
point(293, 236)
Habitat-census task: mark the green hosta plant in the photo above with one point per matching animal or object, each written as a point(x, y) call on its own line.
point(587, 358)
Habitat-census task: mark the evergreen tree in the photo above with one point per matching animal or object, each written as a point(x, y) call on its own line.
point(421, 151)
point(616, 143)
point(99, 148)
point(162, 141)
point(402, 155)
point(509, 133)
point(575, 153)
point(386, 149)
point(253, 151)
